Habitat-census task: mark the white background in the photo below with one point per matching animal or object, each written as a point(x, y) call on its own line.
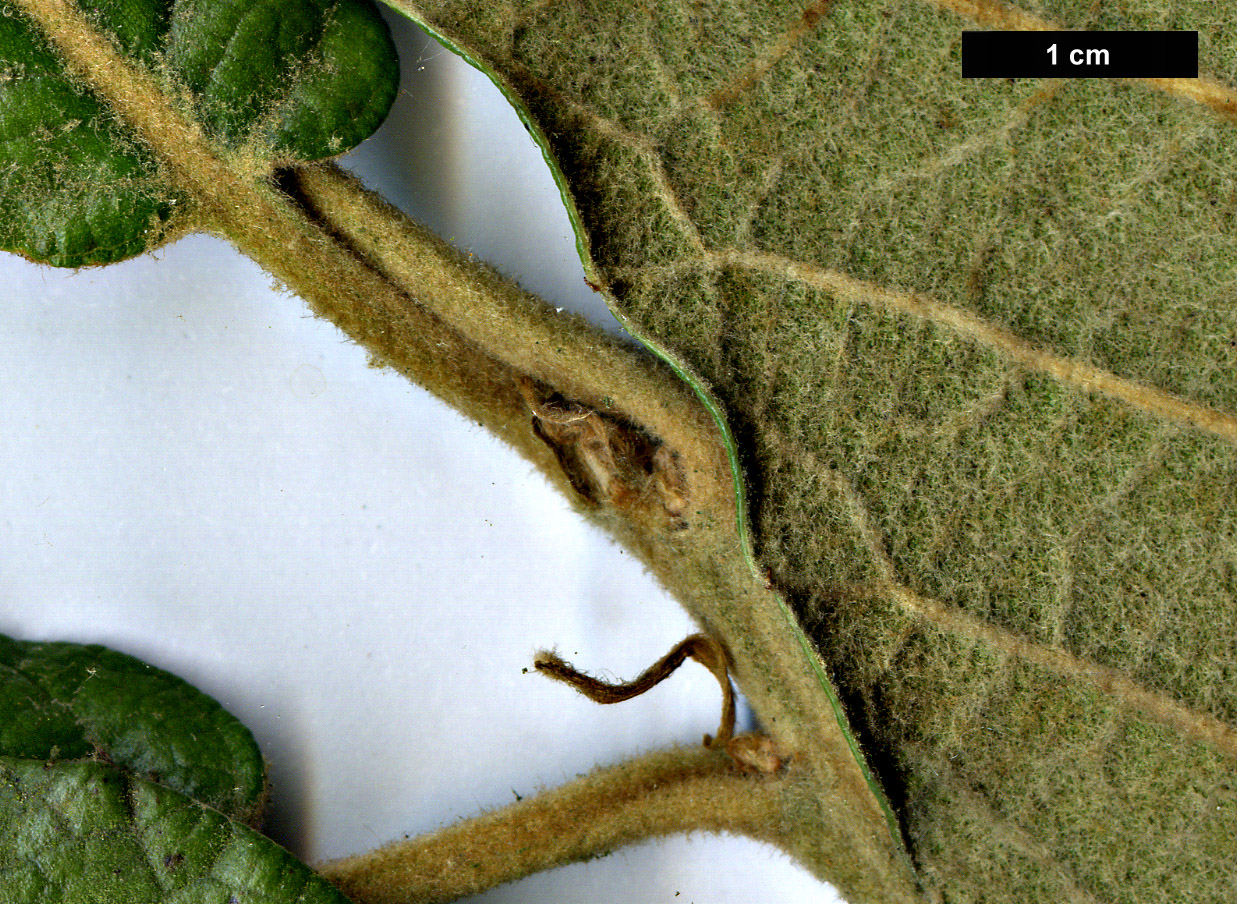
point(195, 471)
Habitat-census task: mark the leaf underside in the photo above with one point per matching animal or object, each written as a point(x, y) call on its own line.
point(976, 342)
point(273, 82)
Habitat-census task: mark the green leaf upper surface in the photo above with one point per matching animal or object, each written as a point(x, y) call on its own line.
point(277, 80)
point(89, 833)
point(63, 701)
point(976, 342)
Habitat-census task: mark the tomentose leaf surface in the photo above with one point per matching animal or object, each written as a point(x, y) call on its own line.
point(976, 342)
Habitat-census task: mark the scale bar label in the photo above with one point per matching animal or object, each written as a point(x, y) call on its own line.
point(1080, 54)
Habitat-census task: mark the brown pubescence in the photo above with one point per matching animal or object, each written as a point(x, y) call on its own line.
point(700, 647)
point(606, 458)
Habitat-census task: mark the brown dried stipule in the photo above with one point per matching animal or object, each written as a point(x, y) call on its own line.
point(700, 647)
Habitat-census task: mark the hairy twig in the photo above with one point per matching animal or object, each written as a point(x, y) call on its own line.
point(677, 790)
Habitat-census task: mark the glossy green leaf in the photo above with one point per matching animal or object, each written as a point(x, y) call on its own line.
point(89, 833)
point(277, 81)
point(975, 340)
point(64, 701)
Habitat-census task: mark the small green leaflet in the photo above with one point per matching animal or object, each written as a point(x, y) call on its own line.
point(120, 782)
point(88, 833)
point(278, 82)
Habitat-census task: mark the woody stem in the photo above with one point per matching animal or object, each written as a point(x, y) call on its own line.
point(676, 790)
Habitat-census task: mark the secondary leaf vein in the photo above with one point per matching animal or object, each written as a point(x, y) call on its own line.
point(755, 71)
point(1081, 376)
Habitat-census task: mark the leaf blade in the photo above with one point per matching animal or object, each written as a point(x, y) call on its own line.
point(76, 833)
point(266, 81)
point(974, 538)
point(62, 701)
